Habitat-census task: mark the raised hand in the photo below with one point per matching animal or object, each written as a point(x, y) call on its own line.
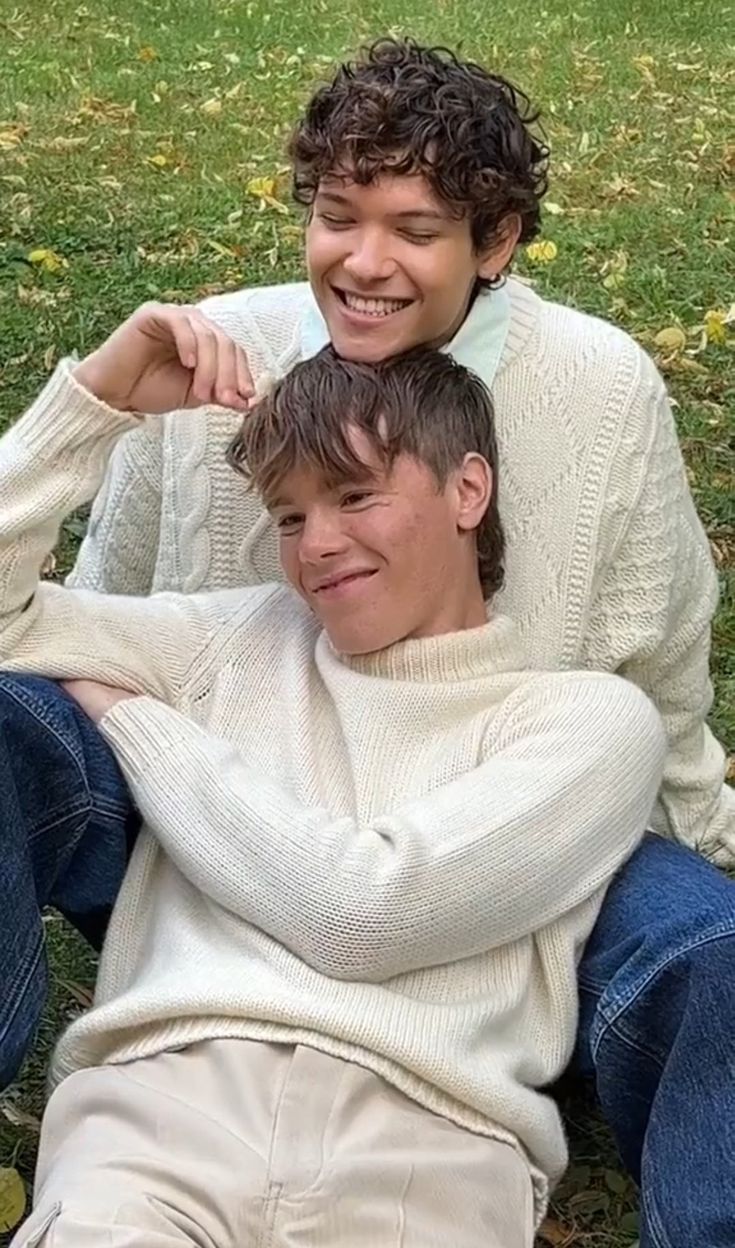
point(165, 357)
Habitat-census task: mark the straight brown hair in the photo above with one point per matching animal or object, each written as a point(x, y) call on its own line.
point(422, 404)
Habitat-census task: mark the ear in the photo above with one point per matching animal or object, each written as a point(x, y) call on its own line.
point(496, 258)
point(473, 486)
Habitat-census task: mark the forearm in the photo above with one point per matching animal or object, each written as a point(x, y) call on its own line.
point(487, 859)
point(51, 462)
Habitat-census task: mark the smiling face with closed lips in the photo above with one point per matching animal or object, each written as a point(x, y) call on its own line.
point(391, 266)
point(387, 557)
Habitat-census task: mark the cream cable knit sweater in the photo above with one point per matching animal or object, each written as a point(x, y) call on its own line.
point(608, 566)
point(394, 858)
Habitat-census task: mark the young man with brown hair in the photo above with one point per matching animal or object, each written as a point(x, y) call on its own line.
point(343, 961)
point(421, 174)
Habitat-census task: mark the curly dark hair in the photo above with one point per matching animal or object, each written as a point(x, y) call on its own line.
point(423, 404)
point(403, 108)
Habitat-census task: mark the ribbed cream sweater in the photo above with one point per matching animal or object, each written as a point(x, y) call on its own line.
point(394, 858)
point(608, 566)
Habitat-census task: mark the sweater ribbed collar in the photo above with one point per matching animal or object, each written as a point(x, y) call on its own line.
point(470, 654)
point(491, 336)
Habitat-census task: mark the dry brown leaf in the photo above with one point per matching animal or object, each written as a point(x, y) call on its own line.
point(11, 134)
point(18, 1117)
point(80, 993)
point(63, 143)
point(552, 1232)
point(106, 110)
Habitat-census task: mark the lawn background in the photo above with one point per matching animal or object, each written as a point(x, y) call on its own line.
point(141, 150)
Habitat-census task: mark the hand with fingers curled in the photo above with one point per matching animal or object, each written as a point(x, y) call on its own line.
point(165, 357)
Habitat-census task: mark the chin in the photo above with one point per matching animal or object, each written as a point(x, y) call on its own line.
point(355, 642)
point(360, 350)
point(353, 647)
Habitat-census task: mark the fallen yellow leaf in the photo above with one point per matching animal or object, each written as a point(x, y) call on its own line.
point(147, 54)
point(671, 339)
point(211, 108)
point(714, 326)
point(554, 210)
point(47, 259)
point(159, 160)
point(264, 189)
point(542, 252)
point(12, 1199)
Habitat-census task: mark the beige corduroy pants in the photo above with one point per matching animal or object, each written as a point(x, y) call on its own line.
point(238, 1144)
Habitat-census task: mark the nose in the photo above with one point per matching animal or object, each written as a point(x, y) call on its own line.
point(321, 537)
point(370, 260)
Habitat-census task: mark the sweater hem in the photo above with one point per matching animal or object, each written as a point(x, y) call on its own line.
point(181, 1034)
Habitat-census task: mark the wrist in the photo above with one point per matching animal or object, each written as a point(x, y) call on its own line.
point(91, 378)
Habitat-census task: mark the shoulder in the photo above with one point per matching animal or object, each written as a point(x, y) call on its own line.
point(271, 313)
point(272, 607)
point(589, 706)
point(557, 339)
point(266, 626)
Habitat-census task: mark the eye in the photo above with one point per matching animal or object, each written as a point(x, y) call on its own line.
point(289, 523)
point(421, 239)
point(355, 497)
point(334, 223)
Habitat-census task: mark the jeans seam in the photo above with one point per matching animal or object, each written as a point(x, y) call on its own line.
point(613, 1028)
point(652, 1220)
point(35, 708)
point(21, 980)
point(612, 1012)
point(612, 1017)
point(51, 823)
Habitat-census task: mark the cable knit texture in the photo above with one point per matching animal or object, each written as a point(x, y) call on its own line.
point(608, 565)
point(394, 858)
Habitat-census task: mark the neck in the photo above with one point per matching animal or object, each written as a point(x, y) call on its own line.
point(456, 615)
point(466, 654)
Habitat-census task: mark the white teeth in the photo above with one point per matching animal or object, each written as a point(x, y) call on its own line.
point(374, 307)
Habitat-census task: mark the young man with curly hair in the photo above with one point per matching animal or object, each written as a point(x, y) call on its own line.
point(421, 174)
point(343, 961)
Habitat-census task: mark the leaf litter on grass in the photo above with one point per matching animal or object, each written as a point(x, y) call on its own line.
point(144, 147)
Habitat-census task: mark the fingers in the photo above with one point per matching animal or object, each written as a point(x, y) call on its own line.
point(220, 371)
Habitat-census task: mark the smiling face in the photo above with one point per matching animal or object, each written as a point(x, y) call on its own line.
point(387, 556)
point(391, 267)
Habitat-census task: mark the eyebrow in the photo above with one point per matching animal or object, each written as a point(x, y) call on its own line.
point(428, 214)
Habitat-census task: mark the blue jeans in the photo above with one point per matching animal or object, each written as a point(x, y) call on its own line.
point(657, 982)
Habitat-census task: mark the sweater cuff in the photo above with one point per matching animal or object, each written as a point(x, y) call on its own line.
point(65, 413)
point(135, 730)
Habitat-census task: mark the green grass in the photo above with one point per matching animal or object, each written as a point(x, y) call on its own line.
point(126, 148)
